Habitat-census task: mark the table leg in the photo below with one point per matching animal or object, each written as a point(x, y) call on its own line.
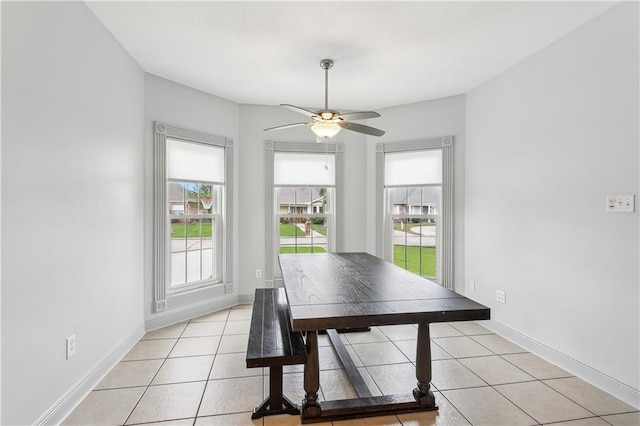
point(422, 392)
point(310, 404)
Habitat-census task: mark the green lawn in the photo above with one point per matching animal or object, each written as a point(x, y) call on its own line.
point(302, 249)
point(192, 230)
point(411, 259)
point(320, 229)
point(290, 230)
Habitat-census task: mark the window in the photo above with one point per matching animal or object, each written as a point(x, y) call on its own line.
point(303, 192)
point(414, 182)
point(304, 217)
point(193, 189)
point(413, 213)
point(195, 237)
point(303, 185)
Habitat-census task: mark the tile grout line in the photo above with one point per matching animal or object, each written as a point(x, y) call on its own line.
point(542, 381)
point(526, 372)
point(570, 399)
point(206, 383)
point(475, 387)
point(522, 409)
point(155, 375)
point(215, 357)
point(456, 408)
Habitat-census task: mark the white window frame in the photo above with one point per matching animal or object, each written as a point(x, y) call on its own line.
point(217, 232)
point(164, 296)
point(384, 237)
point(272, 220)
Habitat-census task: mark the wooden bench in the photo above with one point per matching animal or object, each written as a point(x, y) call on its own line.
point(272, 344)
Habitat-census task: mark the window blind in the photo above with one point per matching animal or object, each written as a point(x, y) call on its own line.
point(413, 167)
point(301, 169)
point(194, 161)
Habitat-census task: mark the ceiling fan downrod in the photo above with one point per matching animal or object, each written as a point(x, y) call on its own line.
point(326, 64)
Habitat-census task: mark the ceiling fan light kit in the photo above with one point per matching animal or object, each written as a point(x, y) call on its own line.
point(325, 129)
point(327, 123)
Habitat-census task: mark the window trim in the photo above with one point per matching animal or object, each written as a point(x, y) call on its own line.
point(164, 297)
point(446, 215)
point(271, 275)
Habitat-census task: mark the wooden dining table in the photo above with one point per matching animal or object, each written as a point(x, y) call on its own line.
point(347, 291)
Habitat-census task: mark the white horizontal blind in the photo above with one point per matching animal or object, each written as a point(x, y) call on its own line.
point(293, 168)
point(194, 162)
point(413, 167)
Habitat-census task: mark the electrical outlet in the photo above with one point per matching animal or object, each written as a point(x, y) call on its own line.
point(620, 203)
point(258, 273)
point(501, 296)
point(71, 346)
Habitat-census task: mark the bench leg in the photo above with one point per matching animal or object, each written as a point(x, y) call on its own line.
point(276, 402)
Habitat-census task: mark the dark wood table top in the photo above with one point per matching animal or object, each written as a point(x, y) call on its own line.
point(350, 290)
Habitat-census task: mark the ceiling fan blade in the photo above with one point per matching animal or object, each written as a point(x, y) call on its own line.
point(286, 126)
point(360, 115)
point(303, 111)
point(361, 128)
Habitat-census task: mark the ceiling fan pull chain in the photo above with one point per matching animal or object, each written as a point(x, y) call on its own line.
point(326, 153)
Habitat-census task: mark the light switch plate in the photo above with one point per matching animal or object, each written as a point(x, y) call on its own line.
point(620, 203)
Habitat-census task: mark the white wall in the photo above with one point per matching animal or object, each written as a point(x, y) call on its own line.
point(254, 119)
point(72, 190)
point(546, 142)
point(0, 229)
point(421, 121)
point(181, 106)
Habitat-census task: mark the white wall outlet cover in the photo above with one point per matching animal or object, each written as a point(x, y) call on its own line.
point(620, 203)
point(71, 346)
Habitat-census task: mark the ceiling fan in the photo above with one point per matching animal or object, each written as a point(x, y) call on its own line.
point(326, 123)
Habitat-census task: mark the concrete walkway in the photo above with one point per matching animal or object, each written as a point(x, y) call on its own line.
point(426, 239)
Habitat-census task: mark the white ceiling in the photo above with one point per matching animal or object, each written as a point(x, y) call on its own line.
point(385, 53)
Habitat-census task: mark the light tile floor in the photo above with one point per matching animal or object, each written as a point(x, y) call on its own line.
point(194, 373)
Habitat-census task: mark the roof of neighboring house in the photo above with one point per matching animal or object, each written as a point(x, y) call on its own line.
point(415, 196)
point(176, 193)
point(298, 196)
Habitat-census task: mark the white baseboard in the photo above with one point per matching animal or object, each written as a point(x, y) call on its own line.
point(175, 316)
point(78, 392)
point(245, 298)
point(608, 384)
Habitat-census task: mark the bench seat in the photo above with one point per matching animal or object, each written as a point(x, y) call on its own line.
point(272, 344)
